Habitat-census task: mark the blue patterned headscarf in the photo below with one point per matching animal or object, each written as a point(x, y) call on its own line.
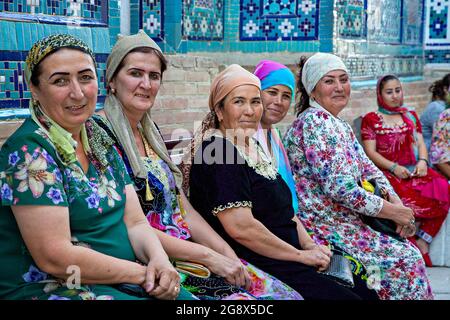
point(272, 73)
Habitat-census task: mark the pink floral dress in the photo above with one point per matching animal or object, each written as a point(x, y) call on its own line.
point(327, 163)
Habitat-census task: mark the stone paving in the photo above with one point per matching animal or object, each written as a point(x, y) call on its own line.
point(440, 282)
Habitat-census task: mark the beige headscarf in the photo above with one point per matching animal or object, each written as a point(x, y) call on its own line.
point(317, 66)
point(114, 111)
point(232, 77)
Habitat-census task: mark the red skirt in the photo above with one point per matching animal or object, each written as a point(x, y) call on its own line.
point(428, 197)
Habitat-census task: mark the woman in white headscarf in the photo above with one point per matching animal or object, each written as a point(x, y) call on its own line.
point(331, 172)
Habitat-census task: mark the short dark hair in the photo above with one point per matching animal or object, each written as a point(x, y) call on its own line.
point(437, 88)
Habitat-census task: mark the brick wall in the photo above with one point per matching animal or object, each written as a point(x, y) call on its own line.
point(183, 97)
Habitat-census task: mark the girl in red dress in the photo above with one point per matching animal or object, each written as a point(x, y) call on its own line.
point(392, 139)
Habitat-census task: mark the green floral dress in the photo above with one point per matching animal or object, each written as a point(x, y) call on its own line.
point(31, 173)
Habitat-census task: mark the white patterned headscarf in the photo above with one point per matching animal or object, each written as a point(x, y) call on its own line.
point(317, 66)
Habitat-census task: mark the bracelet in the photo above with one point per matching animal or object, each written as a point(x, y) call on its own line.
point(392, 168)
point(426, 161)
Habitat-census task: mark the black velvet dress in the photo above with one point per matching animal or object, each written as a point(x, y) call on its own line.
point(221, 178)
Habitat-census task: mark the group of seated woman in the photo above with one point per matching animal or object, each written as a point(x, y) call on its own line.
point(92, 207)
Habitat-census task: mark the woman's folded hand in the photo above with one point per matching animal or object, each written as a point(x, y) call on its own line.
point(162, 280)
point(232, 270)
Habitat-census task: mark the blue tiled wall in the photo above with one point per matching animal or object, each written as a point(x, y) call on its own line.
point(437, 33)
point(380, 36)
point(97, 22)
point(226, 25)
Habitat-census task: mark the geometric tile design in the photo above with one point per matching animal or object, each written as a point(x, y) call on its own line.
point(152, 18)
point(203, 20)
point(57, 11)
point(437, 33)
point(14, 92)
point(351, 18)
point(372, 67)
point(384, 20)
point(437, 21)
point(278, 20)
point(437, 56)
point(412, 21)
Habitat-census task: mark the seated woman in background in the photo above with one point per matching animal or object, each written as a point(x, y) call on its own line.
point(134, 73)
point(237, 189)
point(329, 166)
point(392, 139)
point(277, 93)
point(439, 101)
point(71, 224)
point(440, 144)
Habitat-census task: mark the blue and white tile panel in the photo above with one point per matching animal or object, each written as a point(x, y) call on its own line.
point(278, 20)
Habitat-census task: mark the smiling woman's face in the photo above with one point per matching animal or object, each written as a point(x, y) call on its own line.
point(67, 89)
point(242, 109)
point(333, 91)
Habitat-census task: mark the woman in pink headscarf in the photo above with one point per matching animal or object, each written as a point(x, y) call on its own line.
point(392, 138)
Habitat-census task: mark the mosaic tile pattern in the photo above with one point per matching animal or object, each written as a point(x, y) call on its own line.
point(278, 20)
point(351, 18)
point(152, 18)
point(437, 56)
point(203, 20)
point(412, 21)
point(384, 20)
point(437, 20)
point(371, 67)
point(54, 9)
point(14, 92)
point(437, 31)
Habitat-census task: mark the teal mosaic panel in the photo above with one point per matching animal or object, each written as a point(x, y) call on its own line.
point(56, 11)
point(437, 56)
point(203, 20)
point(278, 20)
point(384, 20)
point(412, 21)
point(351, 18)
point(372, 67)
point(437, 32)
point(152, 18)
point(438, 19)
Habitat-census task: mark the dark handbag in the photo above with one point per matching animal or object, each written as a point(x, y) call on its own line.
point(132, 290)
point(382, 225)
point(339, 270)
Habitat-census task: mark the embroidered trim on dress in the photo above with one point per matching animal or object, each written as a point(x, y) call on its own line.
point(264, 166)
point(230, 205)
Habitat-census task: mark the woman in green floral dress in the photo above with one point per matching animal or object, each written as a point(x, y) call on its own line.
point(72, 227)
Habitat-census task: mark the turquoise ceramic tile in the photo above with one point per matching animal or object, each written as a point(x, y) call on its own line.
point(9, 37)
point(15, 95)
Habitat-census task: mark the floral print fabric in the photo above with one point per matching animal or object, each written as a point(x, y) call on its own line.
point(327, 163)
point(440, 145)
